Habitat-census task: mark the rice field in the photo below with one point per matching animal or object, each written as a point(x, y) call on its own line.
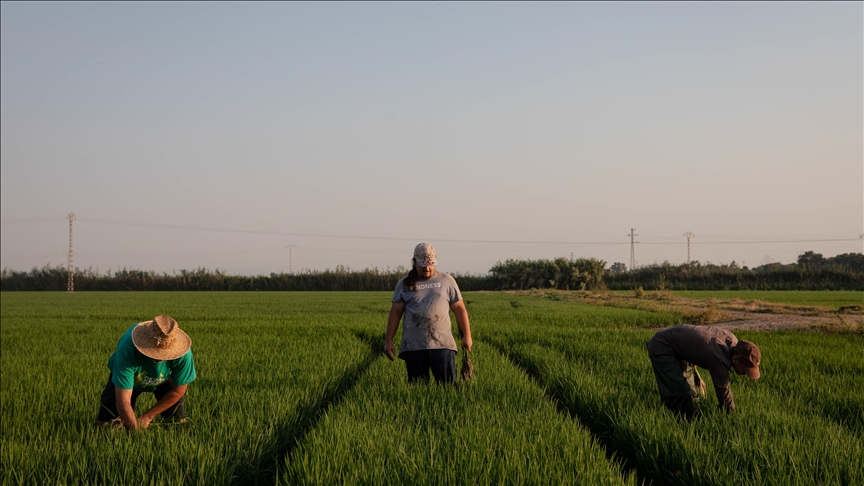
point(293, 388)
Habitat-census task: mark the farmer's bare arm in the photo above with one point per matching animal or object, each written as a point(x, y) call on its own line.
point(396, 311)
point(167, 401)
point(461, 314)
point(123, 399)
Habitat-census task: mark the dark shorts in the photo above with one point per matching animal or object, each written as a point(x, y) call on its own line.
point(678, 382)
point(441, 362)
point(108, 403)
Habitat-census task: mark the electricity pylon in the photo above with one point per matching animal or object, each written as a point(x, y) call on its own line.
point(291, 257)
point(688, 235)
point(633, 242)
point(70, 279)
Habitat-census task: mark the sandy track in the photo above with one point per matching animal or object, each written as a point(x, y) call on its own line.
point(725, 313)
point(776, 322)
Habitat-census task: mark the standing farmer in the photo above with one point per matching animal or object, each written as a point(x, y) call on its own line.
point(425, 298)
point(677, 350)
point(152, 356)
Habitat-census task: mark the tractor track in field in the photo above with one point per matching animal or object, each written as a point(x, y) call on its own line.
point(601, 434)
point(309, 415)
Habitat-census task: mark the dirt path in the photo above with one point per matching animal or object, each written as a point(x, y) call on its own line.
point(774, 322)
point(726, 313)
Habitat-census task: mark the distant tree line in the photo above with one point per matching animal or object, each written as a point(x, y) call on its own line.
point(560, 273)
point(812, 271)
point(342, 278)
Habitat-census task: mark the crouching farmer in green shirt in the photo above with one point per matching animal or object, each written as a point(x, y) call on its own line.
point(152, 356)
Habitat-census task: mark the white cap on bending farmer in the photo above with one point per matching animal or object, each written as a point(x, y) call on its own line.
point(423, 300)
point(152, 356)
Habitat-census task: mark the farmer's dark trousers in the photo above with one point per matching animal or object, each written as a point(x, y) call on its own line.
point(441, 362)
point(672, 381)
point(108, 403)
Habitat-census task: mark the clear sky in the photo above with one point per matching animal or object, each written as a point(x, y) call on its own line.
point(214, 135)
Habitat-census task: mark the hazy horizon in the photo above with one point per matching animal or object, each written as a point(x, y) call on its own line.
point(215, 135)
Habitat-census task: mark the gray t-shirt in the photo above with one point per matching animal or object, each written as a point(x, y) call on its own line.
point(708, 347)
point(426, 322)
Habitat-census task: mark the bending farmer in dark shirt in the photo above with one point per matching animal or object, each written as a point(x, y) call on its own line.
point(676, 350)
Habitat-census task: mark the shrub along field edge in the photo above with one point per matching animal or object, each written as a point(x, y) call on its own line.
point(812, 272)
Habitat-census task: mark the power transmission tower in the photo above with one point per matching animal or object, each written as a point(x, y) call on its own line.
point(633, 242)
point(70, 281)
point(688, 235)
point(291, 257)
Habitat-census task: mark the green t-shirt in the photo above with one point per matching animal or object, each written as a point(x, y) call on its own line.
point(131, 370)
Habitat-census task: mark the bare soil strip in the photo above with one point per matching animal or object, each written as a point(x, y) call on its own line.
point(725, 313)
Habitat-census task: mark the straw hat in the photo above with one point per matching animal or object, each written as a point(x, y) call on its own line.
point(161, 338)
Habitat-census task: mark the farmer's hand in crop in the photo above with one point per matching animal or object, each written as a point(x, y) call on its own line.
point(168, 400)
point(144, 421)
point(466, 343)
point(396, 311)
point(123, 400)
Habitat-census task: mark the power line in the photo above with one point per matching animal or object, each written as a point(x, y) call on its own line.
point(276, 250)
point(759, 242)
point(330, 235)
point(187, 255)
point(740, 241)
point(43, 255)
point(33, 220)
point(391, 238)
point(614, 252)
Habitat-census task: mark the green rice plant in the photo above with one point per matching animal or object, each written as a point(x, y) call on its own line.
point(292, 389)
point(497, 429)
point(604, 378)
point(817, 374)
point(507, 310)
point(268, 367)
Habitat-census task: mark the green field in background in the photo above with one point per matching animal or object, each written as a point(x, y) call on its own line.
point(292, 388)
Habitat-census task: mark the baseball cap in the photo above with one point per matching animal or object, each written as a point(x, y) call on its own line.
point(424, 255)
point(750, 356)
